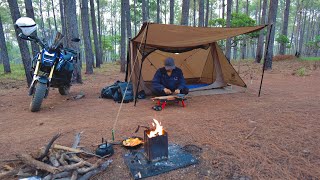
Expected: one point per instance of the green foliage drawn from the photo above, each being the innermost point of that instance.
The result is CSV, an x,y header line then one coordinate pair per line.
x,y
310,58
301,72
282,39
237,20
218,22
17,72
109,41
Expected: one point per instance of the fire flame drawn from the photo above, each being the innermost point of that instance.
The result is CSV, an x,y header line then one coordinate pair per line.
x,y
158,131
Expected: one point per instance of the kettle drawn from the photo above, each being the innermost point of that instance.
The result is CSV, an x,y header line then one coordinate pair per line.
x,y
104,149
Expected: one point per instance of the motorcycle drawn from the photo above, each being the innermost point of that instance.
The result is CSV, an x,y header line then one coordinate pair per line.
x,y
52,66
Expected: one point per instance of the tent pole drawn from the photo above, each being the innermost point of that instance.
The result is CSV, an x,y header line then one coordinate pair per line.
x,y
265,58
142,59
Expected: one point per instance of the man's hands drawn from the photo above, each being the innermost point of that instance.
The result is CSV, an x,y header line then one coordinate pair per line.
x,y
167,91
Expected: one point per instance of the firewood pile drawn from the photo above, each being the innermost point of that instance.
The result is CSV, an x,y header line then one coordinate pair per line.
x,y
55,161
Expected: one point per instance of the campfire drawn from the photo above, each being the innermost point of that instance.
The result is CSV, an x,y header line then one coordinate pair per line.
x,y
156,142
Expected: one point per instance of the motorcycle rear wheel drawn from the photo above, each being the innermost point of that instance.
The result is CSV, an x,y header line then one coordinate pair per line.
x,y
36,101
64,90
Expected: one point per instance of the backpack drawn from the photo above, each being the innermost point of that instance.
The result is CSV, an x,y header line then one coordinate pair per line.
x,y
109,91
117,91
126,95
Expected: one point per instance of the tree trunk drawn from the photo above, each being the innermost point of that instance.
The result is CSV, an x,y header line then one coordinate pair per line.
x,y
223,5
194,13
54,16
261,39
237,6
63,21
3,51
273,8
72,31
201,13
158,11
135,16
99,32
86,36
299,11
301,39
285,26
185,12
144,10
128,19
30,14
171,11
48,15
207,14
228,43
148,10
95,35
24,50
41,15
123,37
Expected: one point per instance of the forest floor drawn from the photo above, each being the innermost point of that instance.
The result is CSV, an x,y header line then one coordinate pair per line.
x,y
284,145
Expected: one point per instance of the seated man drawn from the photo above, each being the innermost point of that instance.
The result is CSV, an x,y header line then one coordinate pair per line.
x,y
169,80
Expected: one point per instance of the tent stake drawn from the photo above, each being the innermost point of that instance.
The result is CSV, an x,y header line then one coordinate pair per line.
x,y
265,58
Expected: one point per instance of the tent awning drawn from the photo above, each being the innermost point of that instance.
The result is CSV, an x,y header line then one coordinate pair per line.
x,y
175,36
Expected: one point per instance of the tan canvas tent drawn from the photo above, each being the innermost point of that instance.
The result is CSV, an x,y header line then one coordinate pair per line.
x,y
194,49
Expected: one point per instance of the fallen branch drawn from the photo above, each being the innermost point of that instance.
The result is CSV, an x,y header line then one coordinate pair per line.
x,y
250,134
29,160
74,175
62,159
53,160
12,172
57,176
57,146
76,140
73,150
45,153
94,166
103,167
72,166
77,159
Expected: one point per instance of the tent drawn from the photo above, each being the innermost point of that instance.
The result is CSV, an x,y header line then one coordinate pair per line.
x,y
194,49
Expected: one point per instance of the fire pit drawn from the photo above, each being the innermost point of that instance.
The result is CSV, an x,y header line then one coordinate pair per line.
x,y
156,143
158,156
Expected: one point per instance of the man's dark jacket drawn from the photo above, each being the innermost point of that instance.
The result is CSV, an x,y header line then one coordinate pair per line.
x,y
161,80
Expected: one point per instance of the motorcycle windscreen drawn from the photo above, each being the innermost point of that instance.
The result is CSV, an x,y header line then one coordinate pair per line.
x,y
54,40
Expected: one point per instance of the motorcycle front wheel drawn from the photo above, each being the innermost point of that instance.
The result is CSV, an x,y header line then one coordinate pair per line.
x,y
64,90
39,93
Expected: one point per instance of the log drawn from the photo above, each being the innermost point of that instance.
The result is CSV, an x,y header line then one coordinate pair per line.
x,y
74,175
94,166
72,166
6,174
76,140
57,176
77,159
62,159
7,167
96,171
29,160
60,147
53,160
45,153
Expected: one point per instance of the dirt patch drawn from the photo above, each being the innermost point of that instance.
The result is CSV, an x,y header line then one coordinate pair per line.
x,y
285,144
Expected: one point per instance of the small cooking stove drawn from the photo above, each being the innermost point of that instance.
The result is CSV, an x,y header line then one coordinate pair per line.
x,y
158,156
